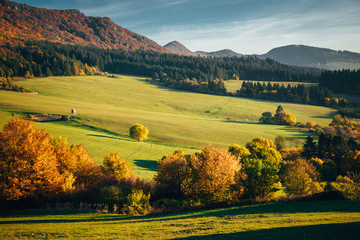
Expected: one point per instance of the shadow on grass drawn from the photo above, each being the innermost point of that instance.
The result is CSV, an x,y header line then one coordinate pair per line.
x,y
241,122
147,164
221,213
323,231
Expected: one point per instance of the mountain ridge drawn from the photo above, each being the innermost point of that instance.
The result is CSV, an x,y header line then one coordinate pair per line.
x,y
20,22
295,54
309,56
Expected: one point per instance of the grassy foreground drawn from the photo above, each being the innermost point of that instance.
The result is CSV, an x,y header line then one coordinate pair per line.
x,y
281,220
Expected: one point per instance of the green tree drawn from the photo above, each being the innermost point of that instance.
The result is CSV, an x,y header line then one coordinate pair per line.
x,y
280,116
266,117
139,132
309,149
279,142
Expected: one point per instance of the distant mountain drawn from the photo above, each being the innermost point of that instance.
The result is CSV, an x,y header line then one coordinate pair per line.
x,y
177,47
307,56
220,53
20,22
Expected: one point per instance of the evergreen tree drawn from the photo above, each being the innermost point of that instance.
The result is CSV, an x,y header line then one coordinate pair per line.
x,y
309,148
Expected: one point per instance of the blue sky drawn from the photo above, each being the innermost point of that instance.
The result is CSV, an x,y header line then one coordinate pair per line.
x,y
245,26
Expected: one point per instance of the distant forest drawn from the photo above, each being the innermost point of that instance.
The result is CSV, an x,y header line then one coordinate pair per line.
x,y
341,81
45,58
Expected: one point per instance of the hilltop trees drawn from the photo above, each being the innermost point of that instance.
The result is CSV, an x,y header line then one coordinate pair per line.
x,y
139,132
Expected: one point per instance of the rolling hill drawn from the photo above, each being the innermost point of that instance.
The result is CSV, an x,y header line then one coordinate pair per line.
x,y
307,56
107,107
219,54
177,47
20,22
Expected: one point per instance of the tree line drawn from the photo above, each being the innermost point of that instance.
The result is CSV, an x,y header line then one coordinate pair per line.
x,y
45,59
341,81
37,168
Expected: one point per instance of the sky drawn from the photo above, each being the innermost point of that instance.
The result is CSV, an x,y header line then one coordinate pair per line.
x,y
244,26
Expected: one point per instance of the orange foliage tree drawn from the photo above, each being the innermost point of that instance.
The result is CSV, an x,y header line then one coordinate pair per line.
x,y
28,163
206,176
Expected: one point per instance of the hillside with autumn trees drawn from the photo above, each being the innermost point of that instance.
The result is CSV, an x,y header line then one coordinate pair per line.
x,y
20,23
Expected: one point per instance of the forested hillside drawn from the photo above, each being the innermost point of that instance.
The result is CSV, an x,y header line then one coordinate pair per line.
x,y
20,22
46,58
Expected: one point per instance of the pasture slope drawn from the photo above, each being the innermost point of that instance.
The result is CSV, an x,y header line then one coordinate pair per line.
x,y
281,220
107,107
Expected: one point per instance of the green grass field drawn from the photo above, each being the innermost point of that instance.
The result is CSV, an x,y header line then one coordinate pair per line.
x,y
176,119
281,220
234,85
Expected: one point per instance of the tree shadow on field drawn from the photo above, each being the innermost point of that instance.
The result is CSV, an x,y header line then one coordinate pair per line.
x,y
241,122
147,164
329,115
228,213
109,137
323,231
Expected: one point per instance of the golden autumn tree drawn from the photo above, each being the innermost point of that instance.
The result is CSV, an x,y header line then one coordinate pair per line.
x,y
28,163
67,162
116,166
174,174
139,132
213,172
87,173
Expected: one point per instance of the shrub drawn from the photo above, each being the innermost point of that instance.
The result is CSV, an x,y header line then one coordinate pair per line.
x,y
110,195
347,186
137,203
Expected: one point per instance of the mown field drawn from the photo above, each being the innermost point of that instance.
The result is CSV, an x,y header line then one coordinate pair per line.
x,y
176,119
281,220
234,85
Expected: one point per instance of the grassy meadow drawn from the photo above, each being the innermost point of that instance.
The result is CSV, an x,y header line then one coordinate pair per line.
x,y
234,85
107,107
280,220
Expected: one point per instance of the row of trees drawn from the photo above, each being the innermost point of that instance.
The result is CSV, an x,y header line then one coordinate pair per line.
x,y
45,58
35,166
316,95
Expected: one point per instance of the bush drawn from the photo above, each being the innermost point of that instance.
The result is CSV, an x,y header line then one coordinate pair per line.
x,y
137,203
110,195
347,186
